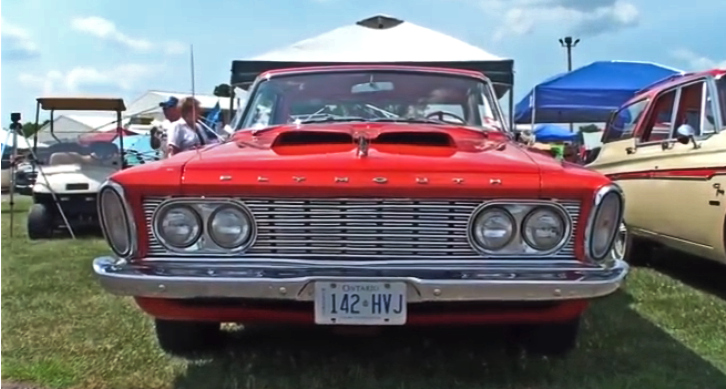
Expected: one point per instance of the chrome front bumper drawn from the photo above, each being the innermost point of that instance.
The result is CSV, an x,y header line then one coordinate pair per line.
x,y
429,281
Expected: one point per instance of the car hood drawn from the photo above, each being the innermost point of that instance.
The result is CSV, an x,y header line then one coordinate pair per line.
x,y
366,159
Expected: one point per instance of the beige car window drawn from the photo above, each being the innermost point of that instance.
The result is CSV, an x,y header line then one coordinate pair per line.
x,y
690,106
659,124
624,121
709,119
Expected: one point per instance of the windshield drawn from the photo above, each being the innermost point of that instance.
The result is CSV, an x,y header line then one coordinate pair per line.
x,y
372,96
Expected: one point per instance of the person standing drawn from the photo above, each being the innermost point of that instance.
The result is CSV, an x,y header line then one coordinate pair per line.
x,y
186,133
170,109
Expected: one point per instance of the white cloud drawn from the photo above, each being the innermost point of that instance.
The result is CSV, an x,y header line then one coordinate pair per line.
x,y
583,18
175,48
696,61
17,43
106,29
124,77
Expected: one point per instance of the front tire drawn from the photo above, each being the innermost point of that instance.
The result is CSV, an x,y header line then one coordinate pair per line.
x,y
187,337
550,339
40,222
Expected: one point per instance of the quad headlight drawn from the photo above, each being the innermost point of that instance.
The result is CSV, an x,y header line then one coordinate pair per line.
x,y
544,229
116,223
605,219
519,228
494,228
230,227
210,226
178,226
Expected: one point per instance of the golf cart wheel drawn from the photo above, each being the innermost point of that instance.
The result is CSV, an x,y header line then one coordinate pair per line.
x,y
188,337
40,222
549,339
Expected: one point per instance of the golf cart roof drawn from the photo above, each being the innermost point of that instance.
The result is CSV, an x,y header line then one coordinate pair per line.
x,y
81,104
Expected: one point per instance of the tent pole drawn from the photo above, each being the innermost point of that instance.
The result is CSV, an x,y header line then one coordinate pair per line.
x,y
35,140
15,127
534,108
120,132
511,108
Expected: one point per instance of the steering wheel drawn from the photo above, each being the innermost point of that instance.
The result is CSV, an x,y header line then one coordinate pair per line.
x,y
441,115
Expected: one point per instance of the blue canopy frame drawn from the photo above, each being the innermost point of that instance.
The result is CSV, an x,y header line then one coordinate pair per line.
x,y
588,94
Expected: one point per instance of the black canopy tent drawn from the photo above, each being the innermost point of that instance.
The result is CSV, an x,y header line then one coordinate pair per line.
x,y
400,44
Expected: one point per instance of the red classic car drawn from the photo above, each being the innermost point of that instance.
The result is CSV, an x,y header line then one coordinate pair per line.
x,y
363,196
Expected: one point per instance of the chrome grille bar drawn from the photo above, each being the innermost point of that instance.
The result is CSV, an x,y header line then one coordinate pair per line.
x,y
357,229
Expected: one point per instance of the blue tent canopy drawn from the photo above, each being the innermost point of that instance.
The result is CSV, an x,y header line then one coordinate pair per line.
x,y
588,94
546,133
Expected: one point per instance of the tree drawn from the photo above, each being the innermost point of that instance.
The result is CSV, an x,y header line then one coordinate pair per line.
x,y
29,128
223,90
589,128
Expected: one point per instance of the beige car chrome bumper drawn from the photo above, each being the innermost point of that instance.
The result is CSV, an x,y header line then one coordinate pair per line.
x,y
428,281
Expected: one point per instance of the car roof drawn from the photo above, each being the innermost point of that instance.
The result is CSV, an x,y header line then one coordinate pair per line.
x,y
672,81
364,67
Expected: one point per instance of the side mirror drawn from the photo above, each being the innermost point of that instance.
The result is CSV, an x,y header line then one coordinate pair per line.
x,y
686,133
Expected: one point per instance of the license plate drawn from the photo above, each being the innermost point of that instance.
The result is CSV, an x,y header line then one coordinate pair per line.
x,y
360,303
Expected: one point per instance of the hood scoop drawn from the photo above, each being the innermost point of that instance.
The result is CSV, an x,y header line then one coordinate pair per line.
x,y
414,138
302,138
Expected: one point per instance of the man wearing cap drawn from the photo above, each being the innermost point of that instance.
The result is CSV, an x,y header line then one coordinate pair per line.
x,y
170,108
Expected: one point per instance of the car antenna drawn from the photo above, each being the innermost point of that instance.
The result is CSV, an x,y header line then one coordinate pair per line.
x,y
194,106
203,131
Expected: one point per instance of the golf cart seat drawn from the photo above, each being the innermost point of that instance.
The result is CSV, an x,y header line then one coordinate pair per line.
x,y
70,158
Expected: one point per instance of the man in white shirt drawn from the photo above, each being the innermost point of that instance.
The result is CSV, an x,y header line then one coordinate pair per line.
x,y
170,108
185,133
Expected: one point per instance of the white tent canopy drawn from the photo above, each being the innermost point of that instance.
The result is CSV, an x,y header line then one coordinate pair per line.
x,y
380,38
147,105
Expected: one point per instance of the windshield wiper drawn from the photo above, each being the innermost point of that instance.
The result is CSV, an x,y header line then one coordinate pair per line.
x,y
333,118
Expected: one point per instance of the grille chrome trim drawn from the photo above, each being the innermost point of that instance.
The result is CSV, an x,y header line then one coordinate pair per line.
x,y
379,229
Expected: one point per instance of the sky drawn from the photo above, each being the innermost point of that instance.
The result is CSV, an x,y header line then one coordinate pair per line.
x,y
124,48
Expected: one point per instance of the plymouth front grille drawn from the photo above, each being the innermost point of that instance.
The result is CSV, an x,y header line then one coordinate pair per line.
x,y
359,229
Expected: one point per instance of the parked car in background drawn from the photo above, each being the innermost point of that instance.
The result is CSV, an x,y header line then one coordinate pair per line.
x,y
366,196
666,148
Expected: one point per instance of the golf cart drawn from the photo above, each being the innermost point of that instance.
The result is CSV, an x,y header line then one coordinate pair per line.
x,y
65,186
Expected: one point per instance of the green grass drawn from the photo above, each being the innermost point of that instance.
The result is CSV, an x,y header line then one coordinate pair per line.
x,y
59,329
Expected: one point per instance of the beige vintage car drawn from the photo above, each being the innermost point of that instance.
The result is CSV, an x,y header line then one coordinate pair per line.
x,y
666,148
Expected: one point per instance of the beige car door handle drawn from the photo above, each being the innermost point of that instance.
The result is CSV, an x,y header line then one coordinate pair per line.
x,y
630,150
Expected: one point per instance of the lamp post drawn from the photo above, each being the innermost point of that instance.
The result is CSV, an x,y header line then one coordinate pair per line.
x,y
568,43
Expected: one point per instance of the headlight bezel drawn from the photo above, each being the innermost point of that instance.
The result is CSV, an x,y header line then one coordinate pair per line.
x,y
130,224
520,209
598,200
205,243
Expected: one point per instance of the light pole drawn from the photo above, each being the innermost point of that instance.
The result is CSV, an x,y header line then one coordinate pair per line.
x,y
568,43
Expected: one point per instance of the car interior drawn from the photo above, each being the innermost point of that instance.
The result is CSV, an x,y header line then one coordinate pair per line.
x,y
449,99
